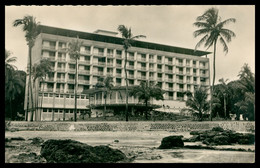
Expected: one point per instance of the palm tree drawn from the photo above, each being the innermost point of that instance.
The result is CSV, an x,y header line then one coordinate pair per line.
x,y
198,101
30,27
128,38
74,51
40,71
106,85
224,89
13,87
145,92
212,28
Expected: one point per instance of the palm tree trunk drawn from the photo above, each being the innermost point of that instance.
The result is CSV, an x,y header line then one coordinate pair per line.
x,y
146,107
30,78
11,108
27,105
42,100
225,109
213,82
75,88
105,108
126,88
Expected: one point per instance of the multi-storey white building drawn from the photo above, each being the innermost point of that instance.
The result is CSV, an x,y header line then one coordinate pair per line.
x,y
175,69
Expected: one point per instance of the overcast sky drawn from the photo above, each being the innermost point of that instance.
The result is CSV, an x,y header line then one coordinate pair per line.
x,y
170,25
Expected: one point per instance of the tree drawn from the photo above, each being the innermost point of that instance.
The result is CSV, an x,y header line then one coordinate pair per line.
x,y
198,101
13,87
225,91
247,86
145,92
9,67
128,39
74,51
30,27
106,84
39,72
212,29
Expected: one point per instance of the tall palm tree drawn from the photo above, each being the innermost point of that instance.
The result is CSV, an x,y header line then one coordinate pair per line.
x,y
30,27
225,92
212,29
13,87
74,51
128,38
106,84
39,71
198,101
145,92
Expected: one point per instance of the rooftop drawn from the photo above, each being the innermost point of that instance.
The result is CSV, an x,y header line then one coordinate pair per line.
x,y
117,40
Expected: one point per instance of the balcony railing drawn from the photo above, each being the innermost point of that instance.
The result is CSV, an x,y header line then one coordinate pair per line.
x,y
151,78
159,78
130,58
169,88
118,56
159,70
85,52
72,70
110,55
180,89
83,81
99,63
59,91
159,61
203,75
169,62
61,59
151,69
194,66
70,90
110,64
83,71
50,79
180,80
168,71
98,73
119,65
170,80
48,90
203,67
61,69
130,67
118,75
84,62
180,72
195,83
194,74
72,60
109,73
151,60
71,81
187,65
48,47
188,81
141,77
60,80
180,64
203,83
131,76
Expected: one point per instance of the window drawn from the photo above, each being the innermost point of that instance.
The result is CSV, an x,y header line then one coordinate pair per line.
x,y
56,95
118,52
67,96
82,96
67,111
56,110
44,110
45,94
51,95
61,96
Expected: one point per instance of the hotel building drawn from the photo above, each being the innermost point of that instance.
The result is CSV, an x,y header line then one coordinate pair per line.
x,y
175,69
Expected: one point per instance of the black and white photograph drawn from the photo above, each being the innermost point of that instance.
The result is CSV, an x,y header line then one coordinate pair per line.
x,y
130,84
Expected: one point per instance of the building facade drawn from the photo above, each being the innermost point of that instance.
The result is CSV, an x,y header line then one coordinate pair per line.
x,y
174,69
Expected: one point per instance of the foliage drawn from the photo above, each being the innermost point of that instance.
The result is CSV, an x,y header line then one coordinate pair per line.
x,y
30,27
198,101
128,38
106,84
74,51
145,91
211,27
247,85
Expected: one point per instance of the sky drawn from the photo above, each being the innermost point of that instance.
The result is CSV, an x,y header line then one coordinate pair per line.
x,y
164,24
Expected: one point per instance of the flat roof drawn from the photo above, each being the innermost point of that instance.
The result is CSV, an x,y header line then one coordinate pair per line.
x,y
118,40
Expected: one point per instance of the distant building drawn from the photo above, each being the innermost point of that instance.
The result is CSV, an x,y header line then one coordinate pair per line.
x,y
175,69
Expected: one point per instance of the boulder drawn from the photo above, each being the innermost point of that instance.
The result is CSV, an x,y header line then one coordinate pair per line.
x,y
221,140
171,142
37,141
17,139
70,151
218,129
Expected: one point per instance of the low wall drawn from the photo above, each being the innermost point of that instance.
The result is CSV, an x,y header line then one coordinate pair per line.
x,y
240,126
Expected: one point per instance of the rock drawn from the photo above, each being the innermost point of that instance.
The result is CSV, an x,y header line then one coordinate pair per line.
x,y
218,129
37,141
195,138
221,140
70,151
171,142
17,139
